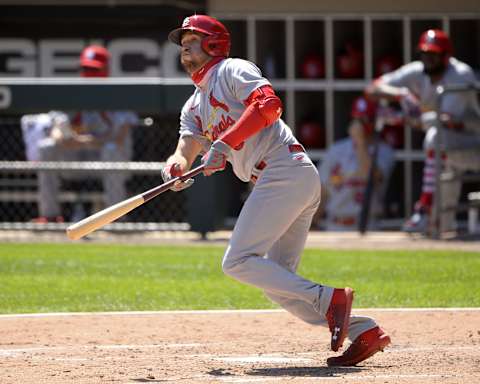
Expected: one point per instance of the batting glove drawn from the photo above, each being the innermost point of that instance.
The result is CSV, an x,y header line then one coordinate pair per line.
x,y
216,158
171,171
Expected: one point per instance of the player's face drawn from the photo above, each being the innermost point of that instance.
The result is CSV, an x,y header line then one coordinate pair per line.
x,y
355,129
192,55
433,63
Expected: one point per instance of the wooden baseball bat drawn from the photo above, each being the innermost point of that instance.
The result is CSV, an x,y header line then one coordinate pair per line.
x,y
91,223
369,192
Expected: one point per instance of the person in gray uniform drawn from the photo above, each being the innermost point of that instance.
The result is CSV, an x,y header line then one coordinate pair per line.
x,y
234,115
414,85
82,136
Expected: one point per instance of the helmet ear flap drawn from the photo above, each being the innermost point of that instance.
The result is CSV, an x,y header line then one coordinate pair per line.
x,y
216,46
208,45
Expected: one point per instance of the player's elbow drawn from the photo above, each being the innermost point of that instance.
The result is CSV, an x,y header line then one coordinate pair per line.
x,y
266,103
270,108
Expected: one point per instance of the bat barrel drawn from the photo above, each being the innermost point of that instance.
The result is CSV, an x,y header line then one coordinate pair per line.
x,y
89,224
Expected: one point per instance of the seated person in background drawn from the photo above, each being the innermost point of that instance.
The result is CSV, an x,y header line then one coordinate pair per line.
x,y
83,136
414,86
344,172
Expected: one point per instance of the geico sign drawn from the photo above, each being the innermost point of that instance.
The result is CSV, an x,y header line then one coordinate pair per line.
x,y
5,97
58,57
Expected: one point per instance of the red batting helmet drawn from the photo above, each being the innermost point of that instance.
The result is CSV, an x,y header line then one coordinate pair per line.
x,y
435,40
217,39
350,62
364,110
313,67
94,56
311,134
386,64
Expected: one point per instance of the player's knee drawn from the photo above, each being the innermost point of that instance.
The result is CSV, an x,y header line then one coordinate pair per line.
x,y
231,263
430,138
228,267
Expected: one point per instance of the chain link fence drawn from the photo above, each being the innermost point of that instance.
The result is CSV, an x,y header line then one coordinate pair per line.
x,y
81,189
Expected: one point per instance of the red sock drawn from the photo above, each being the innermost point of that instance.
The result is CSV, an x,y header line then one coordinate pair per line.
x,y
425,202
428,181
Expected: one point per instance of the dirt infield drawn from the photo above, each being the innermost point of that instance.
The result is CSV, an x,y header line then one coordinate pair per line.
x,y
428,346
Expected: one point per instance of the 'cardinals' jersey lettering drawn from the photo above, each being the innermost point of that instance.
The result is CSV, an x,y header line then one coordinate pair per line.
x,y
217,105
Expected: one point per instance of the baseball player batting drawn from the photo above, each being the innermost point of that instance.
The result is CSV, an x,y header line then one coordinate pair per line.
x,y
234,115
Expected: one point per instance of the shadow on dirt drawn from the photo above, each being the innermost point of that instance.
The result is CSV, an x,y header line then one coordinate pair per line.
x,y
303,371
292,371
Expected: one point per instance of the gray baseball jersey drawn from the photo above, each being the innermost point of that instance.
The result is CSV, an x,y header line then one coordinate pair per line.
x,y
212,110
102,123
418,82
271,230
345,193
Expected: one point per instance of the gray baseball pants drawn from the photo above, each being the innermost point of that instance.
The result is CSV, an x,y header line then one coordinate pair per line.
x,y
269,237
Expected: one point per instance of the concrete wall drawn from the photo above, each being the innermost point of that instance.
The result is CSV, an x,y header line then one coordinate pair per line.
x,y
186,4
344,6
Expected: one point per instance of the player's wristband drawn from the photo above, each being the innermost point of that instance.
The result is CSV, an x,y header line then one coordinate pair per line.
x,y
221,147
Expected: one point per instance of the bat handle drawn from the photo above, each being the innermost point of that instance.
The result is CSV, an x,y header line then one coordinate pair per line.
x,y
150,194
193,172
